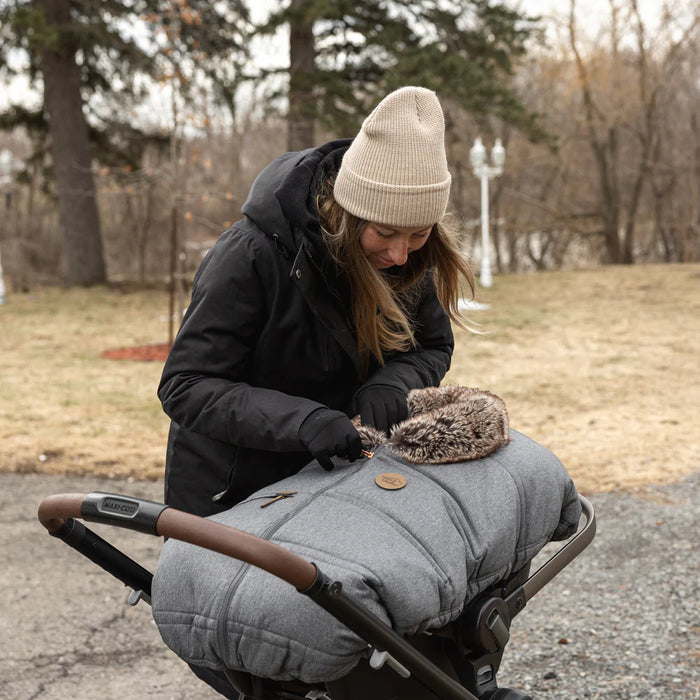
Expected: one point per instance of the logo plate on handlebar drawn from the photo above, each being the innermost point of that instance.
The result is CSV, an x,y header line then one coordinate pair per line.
x,y
116,506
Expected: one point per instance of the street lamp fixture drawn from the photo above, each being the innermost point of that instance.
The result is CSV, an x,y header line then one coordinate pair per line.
x,y
486,172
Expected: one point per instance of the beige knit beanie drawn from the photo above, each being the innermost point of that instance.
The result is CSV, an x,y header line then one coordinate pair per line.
x,y
395,171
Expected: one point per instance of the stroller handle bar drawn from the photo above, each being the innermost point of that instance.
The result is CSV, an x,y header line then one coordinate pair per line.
x,y
158,519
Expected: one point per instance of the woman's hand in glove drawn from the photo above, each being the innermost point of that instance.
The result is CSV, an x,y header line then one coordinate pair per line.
x,y
325,433
381,406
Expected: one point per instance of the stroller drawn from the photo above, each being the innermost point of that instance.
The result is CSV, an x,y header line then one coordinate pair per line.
x,y
459,661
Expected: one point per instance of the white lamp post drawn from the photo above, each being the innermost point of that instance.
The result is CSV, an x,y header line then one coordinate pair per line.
x,y
486,172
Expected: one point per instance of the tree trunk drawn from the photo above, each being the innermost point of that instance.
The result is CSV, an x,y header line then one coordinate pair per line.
x,y
70,150
628,243
302,55
611,235
512,245
603,142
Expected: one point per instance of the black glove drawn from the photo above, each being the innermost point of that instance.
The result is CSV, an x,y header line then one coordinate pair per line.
x,y
325,433
381,406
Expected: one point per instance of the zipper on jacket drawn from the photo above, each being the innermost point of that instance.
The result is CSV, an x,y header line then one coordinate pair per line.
x,y
286,253
229,479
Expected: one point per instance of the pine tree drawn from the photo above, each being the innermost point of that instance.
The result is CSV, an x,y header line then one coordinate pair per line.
x,y
362,49
95,59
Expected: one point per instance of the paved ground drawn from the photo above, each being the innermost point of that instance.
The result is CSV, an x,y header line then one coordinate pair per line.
x,y
621,622
67,633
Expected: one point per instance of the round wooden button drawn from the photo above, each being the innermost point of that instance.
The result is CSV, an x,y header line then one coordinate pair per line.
x,y
390,482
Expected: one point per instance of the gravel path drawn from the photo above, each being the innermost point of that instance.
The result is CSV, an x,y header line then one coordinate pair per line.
x,y
622,621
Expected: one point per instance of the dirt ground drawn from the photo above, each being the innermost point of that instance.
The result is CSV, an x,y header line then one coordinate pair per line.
x,y
603,368
599,365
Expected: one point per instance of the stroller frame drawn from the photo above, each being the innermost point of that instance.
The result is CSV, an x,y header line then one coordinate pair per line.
x,y
475,642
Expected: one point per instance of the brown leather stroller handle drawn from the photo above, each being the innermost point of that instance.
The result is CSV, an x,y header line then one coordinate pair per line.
x,y
55,510
159,519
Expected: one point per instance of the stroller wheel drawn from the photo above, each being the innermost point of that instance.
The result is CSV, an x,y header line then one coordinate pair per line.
x,y
506,694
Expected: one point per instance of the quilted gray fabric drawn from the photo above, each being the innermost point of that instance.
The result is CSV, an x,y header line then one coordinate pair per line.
x,y
412,556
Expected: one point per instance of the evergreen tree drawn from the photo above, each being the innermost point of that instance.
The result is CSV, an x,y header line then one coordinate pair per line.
x,y
96,60
362,49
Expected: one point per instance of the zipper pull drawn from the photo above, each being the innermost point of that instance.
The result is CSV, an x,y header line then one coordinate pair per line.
x,y
277,497
218,496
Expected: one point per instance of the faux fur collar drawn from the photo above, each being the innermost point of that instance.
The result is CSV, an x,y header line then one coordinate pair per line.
x,y
446,424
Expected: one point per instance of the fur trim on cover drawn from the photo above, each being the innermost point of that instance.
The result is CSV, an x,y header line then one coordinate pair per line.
x,y
446,424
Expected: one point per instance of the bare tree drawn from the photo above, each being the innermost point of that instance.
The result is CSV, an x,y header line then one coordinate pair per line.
x,y
622,117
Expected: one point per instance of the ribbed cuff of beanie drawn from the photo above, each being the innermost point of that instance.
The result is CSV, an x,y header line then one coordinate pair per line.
x,y
393,205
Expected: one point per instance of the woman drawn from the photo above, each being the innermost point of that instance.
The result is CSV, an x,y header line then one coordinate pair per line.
x,y
332,297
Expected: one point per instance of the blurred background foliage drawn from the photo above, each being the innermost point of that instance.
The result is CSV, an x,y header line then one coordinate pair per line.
x,y
130,131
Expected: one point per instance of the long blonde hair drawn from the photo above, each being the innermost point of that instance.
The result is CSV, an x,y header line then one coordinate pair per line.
x,y
381,302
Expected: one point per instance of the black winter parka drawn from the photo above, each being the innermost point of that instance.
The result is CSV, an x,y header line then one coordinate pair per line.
x,y
267,339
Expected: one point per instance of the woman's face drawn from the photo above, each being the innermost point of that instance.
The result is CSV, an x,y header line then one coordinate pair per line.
x,y
386,246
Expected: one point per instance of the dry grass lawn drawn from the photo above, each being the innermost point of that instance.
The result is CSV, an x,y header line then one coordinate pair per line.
x,y
601,366
63,408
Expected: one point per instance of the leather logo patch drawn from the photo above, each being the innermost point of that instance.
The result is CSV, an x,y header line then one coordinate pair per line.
x,y
390,482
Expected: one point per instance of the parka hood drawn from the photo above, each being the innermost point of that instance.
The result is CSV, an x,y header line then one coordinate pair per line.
x,y
282,199
445,425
